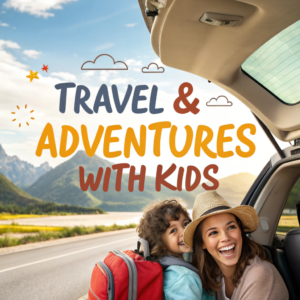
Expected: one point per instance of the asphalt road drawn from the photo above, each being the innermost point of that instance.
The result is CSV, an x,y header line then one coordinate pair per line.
x,y
58,272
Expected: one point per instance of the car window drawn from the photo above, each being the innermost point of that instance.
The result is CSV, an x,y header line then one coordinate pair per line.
x,y
289,220
276,65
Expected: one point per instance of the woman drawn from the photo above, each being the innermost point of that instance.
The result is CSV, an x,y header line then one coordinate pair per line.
x,y
229,263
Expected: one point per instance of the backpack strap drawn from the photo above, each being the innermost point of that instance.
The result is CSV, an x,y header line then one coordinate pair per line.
x,y
170,260
146,248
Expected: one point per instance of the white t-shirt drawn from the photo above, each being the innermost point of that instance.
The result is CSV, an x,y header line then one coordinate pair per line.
x,y
223,289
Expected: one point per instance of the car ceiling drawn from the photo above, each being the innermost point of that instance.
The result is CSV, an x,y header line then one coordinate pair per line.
x,y
217,53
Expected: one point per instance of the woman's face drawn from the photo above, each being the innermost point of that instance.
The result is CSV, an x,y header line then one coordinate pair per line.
x,y
222,238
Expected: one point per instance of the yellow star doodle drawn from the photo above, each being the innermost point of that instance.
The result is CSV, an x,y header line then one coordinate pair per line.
x,y
32,75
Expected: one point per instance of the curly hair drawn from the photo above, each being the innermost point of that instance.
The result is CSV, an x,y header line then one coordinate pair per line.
x,y
156,220
208,268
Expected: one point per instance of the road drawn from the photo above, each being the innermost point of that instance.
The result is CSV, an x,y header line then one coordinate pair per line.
x,y
57,272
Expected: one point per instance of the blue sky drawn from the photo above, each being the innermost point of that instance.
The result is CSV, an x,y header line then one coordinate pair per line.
x,y
37,33
80,31
81,28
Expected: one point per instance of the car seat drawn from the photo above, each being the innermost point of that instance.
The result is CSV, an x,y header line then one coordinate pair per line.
x,y
279,260
292,249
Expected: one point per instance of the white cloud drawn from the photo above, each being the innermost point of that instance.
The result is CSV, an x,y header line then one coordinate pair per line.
x,y
3,12
159,83
88,74
131,25
64,75
75,55
111,72
7,59
9,44
32,53
103,78
103,46
133,62
7,132
38,8
158,62
104,75
121,80
3,24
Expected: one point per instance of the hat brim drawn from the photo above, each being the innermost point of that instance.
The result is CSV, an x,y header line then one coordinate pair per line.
x,y
245,213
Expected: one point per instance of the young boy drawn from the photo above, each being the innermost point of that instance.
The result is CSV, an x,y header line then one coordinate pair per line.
x,y
162,226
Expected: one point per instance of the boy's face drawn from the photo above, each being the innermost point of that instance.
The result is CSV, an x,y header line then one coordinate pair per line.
x,y
173,237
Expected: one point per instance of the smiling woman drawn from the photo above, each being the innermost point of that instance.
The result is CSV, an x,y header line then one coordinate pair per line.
x,y
230,264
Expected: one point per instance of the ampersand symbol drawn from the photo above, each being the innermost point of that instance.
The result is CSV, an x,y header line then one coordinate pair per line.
x,y
189,107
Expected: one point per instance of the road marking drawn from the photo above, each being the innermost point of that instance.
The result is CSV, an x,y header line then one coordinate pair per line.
x,y
63,255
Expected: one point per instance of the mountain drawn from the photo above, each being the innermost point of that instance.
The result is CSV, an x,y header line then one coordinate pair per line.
x,y
15,200
233,188
61,185
21,173
9,193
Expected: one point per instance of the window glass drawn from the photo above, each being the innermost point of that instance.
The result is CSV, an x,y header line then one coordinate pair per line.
x,y
276,65
289,220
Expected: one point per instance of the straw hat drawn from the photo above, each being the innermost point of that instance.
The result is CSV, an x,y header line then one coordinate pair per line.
x,y
211,203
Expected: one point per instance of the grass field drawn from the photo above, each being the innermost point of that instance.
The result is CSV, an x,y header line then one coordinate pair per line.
x,y
287,223
13,217
15,228
5,216
45,233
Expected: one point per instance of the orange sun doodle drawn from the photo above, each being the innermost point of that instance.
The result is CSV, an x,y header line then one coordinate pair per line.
x,y
13,113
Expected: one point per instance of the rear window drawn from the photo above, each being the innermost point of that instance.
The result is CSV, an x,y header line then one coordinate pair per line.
x,y
276,65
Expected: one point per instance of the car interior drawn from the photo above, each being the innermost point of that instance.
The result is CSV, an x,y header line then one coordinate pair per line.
x,y
282,250
251,49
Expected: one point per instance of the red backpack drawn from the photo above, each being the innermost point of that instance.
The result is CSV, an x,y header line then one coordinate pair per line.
x,y
127,275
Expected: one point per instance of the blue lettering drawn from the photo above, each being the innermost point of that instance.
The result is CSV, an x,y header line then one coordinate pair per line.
x,y
120,107
63,94
102,92
153,96
137,97
81,101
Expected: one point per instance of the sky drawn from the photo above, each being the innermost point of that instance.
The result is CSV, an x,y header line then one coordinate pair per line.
x,y
63,34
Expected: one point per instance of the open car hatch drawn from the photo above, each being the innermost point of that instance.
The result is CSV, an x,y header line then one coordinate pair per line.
x,y
249,48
